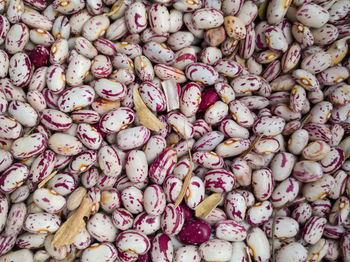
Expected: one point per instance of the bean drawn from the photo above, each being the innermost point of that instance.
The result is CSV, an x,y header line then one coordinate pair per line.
x,y
253,110
105,251
259,213
206,250
258,244
100,226
132,238
293,249
172,220
186,252
312,15
42,223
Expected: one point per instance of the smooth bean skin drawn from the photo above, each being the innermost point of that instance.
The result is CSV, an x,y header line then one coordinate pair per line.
x,y
194,232
206,250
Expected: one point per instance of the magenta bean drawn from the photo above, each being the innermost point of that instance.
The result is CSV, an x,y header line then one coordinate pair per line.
x,y
194,232
208,99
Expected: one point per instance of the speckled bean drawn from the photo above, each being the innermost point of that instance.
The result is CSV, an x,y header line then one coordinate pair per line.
x,y
105,251
235,206
216,250
313,229
42,223
133,240
132,138
258,244
201,73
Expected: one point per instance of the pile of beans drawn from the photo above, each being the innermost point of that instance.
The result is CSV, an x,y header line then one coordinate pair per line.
x,y
254,98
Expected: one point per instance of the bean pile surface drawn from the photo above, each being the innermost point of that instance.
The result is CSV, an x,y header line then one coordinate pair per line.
x,y
174,130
